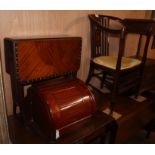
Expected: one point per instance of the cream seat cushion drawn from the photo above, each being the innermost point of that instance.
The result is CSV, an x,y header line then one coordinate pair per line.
x,y
110,62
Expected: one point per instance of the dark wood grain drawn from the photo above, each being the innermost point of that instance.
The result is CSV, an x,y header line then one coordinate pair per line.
x,y
140,26
58,104
51,57
30,60
97,126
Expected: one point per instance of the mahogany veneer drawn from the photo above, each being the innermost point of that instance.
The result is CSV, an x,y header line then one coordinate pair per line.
x,y
30,60
36,59
58,104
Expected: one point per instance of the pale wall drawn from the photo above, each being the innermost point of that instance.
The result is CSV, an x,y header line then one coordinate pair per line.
x,y
30,23
151,53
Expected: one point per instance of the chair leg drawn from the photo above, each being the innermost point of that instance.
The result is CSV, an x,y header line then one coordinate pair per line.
x,y
114,94
150,128
148,134
14,109
111,107
137,92
103,79
112,103
113,132
90,74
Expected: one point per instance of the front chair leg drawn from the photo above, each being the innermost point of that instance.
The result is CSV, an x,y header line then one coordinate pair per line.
x,y
150,128
90,74
111,108
113,99
103,79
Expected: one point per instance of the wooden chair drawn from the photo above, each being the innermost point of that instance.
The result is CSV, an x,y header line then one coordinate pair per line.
x,y
121,73
100,41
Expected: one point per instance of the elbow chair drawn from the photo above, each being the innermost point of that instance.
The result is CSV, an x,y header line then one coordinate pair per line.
x,y
118,72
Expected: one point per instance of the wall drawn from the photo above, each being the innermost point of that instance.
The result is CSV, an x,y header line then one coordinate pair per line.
x,y
4,134
151,53
30,23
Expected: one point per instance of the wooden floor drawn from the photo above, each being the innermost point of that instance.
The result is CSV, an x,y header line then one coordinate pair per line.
x,y
134,116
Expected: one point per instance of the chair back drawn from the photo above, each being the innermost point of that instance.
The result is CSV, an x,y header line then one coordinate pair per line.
x,y
145,28
103,27
100,28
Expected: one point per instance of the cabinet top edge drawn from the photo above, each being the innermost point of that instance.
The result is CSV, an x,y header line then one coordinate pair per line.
x,y
22,38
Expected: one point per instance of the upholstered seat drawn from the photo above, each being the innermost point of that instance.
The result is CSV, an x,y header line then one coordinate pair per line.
x,y
111,61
